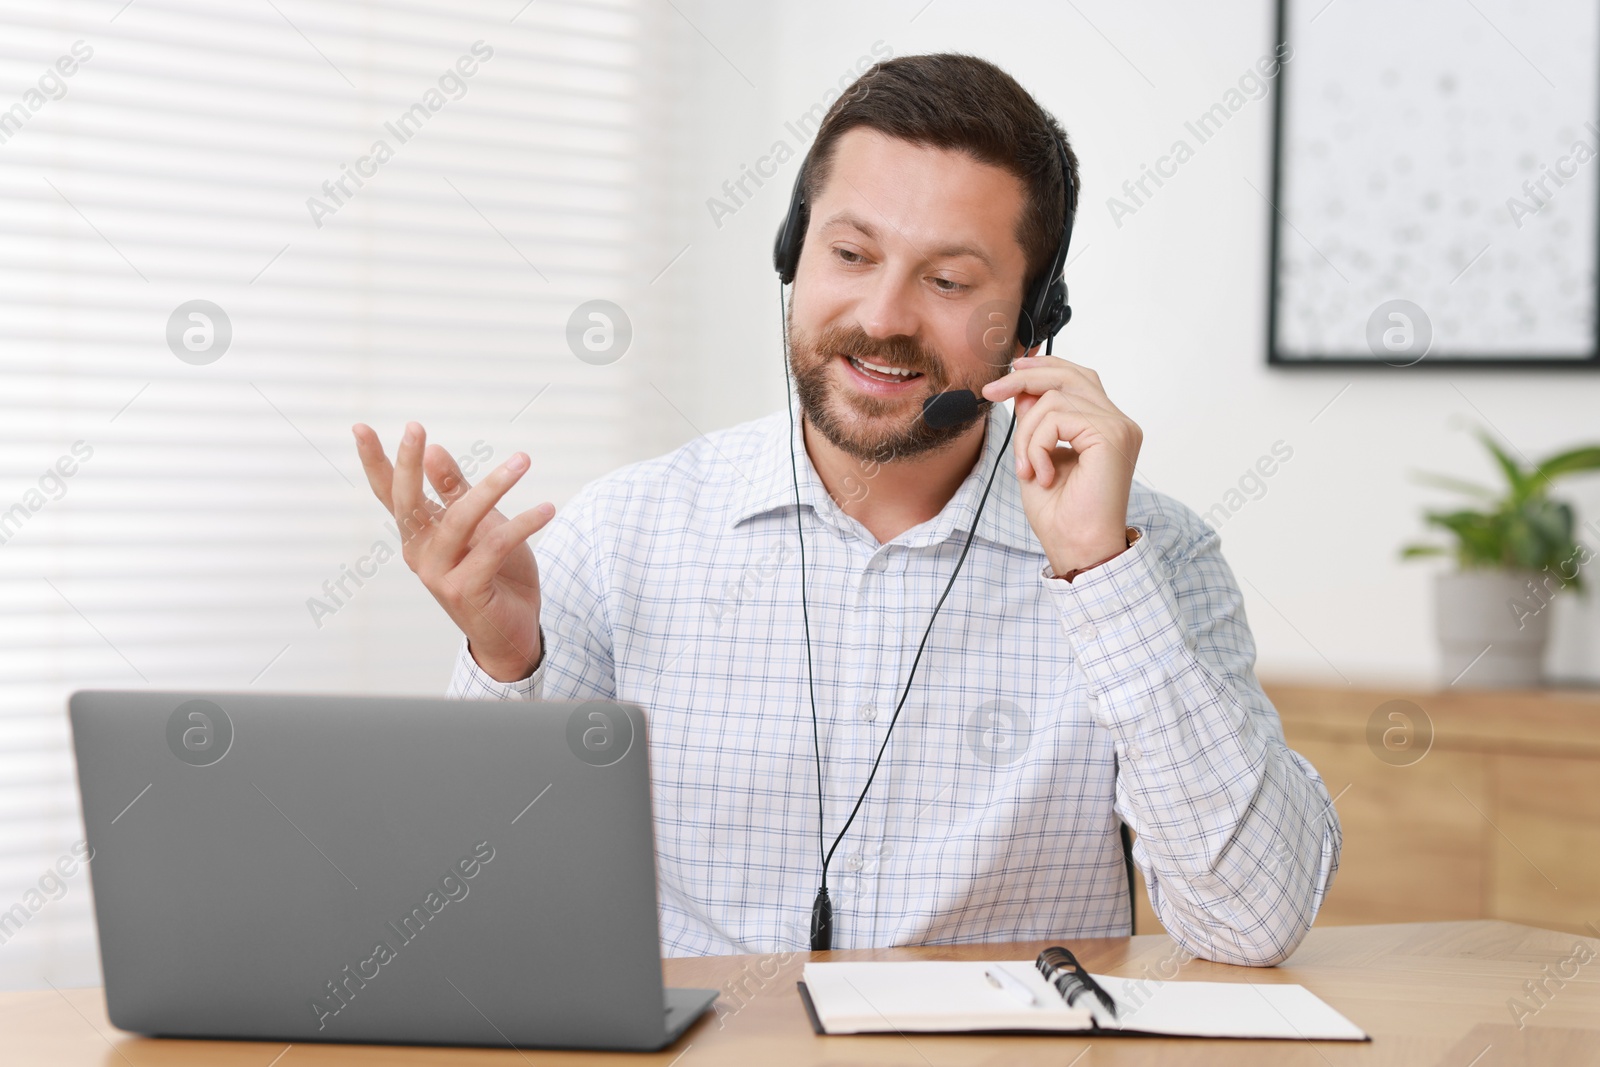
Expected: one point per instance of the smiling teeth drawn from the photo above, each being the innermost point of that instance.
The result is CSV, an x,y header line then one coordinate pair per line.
x,y
883,370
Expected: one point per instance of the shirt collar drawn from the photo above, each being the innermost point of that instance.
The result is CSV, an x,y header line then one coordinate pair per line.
x,y
770,487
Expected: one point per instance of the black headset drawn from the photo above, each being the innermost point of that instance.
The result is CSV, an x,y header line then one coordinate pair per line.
x,y
1044,311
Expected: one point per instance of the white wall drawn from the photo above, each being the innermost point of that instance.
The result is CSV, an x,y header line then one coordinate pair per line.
x,y
193,550
1170,307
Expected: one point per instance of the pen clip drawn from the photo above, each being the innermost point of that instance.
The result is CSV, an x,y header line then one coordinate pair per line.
x,y
1063,971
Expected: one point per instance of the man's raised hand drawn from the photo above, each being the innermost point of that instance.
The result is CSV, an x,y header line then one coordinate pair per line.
x,y
474,560
1076,499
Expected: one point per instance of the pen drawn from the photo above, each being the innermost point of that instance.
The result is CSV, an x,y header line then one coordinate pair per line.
x,y
1003,979
1062,970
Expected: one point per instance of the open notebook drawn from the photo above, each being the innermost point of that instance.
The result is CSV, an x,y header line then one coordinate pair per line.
x,y
1013,996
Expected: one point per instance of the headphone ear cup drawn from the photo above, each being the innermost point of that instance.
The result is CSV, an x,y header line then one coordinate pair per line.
x,y
1044,314
786,250
792,233
1025,329
1058,312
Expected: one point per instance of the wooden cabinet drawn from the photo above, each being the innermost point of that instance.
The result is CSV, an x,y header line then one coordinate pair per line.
x,y
1499,818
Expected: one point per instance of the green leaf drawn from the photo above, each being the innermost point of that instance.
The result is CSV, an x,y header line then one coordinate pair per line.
x,y
1527,548
1552,521
1520,482
1414,551
1571,462
1480,537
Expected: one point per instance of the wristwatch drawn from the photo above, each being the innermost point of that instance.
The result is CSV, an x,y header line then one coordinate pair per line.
x,y
1132,534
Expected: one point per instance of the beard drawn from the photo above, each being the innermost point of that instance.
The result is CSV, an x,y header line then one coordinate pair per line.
x,y
869,428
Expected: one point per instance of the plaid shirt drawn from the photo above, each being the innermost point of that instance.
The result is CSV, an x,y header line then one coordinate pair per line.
x,y
1043,712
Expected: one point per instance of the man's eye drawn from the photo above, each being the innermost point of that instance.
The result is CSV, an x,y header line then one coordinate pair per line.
x,y
849,256
945,285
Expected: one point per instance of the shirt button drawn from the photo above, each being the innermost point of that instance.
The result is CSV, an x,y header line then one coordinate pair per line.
x,y
868,713
852,862
1087,632
1134,752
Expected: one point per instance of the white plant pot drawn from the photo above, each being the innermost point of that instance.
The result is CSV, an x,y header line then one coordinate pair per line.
x,y
1492,629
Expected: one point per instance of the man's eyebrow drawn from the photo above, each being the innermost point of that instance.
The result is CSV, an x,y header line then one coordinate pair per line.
x,y
851,219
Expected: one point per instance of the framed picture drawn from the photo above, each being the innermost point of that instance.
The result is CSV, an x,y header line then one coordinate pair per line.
x,y
1436,184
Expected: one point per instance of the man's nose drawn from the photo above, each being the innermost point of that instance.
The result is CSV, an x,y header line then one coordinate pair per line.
x,y
889,308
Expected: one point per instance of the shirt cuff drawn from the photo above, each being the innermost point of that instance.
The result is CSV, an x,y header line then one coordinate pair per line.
x,y
1134,536
1123,622
470,682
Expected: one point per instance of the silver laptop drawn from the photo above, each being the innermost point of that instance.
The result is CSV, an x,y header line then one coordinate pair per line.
x,y
375,869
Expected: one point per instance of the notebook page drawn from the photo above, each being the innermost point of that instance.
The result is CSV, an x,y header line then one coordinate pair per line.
x,y
1223,1009
933,996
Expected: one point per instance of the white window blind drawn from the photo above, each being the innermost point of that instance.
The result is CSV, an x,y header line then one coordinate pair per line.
x,y
212,505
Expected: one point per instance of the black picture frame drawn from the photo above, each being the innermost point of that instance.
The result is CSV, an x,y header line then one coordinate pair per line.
x,y
1276,358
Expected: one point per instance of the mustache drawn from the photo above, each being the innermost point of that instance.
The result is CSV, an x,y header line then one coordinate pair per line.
x,y
892,351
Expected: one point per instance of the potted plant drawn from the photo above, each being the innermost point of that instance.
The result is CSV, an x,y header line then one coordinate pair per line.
x,y
1513,554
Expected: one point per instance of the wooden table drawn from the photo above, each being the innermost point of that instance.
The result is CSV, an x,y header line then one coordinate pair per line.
x,y
1428,993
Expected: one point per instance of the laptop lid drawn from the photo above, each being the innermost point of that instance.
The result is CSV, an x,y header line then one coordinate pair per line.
x,y
374,869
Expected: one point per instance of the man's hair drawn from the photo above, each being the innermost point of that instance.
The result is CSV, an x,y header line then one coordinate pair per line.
x,y
952,101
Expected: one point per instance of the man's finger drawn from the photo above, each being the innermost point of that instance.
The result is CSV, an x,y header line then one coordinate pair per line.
x,y
1056,426
462,517
444,475
1036,379
380,473
1045,451
489,554
1057,416
1034,454
411,508
1041,360
1043,439
1046,443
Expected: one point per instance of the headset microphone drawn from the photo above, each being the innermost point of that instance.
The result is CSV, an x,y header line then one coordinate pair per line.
x,y
952,408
